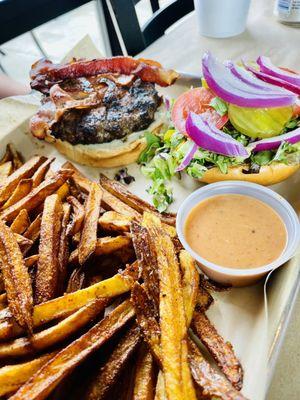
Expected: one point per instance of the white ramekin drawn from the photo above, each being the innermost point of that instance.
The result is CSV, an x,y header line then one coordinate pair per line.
x,y
232,276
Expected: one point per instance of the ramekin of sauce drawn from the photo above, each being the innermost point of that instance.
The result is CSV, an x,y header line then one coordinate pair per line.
x,y
238,231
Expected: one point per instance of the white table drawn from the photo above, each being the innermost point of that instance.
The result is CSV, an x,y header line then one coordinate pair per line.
x,y
182,49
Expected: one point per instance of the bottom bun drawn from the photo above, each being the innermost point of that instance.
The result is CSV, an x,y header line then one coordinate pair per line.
x,y
95,156
268,174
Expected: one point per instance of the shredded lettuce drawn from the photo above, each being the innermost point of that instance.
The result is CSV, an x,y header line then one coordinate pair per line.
x,y
219,105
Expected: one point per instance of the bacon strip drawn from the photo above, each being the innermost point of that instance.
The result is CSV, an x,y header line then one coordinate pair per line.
x,y
45,74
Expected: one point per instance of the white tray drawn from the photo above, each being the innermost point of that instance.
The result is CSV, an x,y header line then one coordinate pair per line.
x,y
240,314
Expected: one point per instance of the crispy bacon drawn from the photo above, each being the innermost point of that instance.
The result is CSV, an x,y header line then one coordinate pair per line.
x,y
58,102
44,74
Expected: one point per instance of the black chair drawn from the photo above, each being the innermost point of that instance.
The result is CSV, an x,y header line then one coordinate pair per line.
x,y
124,28
20,16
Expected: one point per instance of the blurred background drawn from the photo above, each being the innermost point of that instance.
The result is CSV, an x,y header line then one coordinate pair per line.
x,y
56,37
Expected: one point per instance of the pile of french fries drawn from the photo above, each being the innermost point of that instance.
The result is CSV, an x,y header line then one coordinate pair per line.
x,y
98,298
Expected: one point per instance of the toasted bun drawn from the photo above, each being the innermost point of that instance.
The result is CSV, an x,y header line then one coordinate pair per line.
x,y
113,154
102,158
268,175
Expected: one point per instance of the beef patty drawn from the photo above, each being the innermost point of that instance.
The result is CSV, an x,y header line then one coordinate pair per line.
x,y
123,110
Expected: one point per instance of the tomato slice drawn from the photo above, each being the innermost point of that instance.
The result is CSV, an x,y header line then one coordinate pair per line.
x,y
196,100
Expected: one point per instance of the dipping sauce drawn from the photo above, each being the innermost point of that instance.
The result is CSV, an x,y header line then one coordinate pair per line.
x,y
235,231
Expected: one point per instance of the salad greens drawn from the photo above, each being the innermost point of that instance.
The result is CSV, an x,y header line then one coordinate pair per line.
x,y
164,153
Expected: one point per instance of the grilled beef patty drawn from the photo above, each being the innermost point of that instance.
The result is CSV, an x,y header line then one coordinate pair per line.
x,y
123,110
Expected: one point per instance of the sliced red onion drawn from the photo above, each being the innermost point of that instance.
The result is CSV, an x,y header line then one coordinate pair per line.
x,y
268,68
235,91
248,78
275,81
274,142
208,137
188,157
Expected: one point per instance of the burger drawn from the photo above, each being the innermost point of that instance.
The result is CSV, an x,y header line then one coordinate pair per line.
x,y
96,112
243,123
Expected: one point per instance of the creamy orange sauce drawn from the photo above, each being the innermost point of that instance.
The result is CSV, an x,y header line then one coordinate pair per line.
x,y
235,231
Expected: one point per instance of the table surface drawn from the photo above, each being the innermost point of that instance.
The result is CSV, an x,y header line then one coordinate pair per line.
x,y
181,48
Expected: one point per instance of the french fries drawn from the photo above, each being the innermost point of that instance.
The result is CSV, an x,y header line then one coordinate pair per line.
x,y
5,170
111,221
61,306
147,259
105,245
77,216
121,192
63,248
104,380
46,379
209,381
21,223
17,158
144,383
37,195
46,282
22,189
41,172
14,376
53,242
190,284
55,334
178,380
26,171
16,278
88,239
220,350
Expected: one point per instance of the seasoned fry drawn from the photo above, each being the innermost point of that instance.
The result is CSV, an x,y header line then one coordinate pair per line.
x,y
190,284
204,298
160,393
53,335
210,382
5,170
88,239
22,189
17,158
146,256
144,384
77,216
30,261
121,192
63,191
14,376
105,245
103,381
110,202
34,229
21,223
111,221
40,173
80,180
178,380
16,278
6,157
61,306
37,195
22,241
221,351
146,319
39,386
77,280
46,283
63,250
25,172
